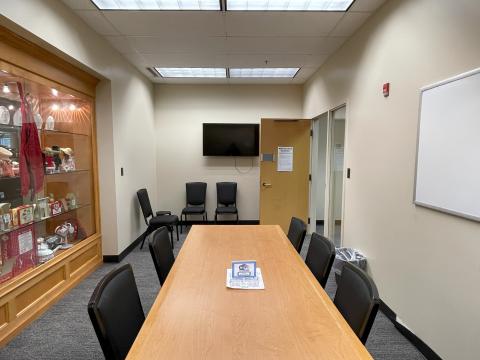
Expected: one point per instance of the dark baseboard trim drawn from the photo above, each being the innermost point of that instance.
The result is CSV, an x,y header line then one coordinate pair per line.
x,y
128,250
320,222
414,339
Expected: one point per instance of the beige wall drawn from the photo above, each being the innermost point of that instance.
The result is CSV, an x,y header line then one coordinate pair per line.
x,y
180,111
425,263
125,121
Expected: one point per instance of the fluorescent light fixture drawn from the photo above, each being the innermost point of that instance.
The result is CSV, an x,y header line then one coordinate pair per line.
x,y
289,5
157,4
192,72
263,72
54,92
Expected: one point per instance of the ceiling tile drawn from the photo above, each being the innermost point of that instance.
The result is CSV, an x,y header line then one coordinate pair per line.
x,y
284,45
97,22
120,43
280,23
258,60
366,5
350,23
315,60
167,23
80,4
177,44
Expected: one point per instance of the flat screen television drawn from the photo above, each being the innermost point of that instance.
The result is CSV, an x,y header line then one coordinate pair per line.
x,y
230,139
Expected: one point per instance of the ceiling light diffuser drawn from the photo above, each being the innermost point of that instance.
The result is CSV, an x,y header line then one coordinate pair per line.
x,y
289,5
263,72
192,72
157,4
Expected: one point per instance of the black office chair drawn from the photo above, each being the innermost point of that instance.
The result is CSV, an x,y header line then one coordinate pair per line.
x,y
296,233
116,312
226,199
320,257
161,218
195,204
357,300
162,254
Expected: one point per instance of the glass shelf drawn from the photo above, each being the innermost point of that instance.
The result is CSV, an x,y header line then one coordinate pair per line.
x,y
58,132
43,219
68,172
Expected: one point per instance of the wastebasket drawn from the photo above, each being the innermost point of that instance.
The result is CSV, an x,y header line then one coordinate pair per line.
x,y
344,255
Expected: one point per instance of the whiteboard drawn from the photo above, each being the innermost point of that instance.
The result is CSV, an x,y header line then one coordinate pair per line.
x,y
448,152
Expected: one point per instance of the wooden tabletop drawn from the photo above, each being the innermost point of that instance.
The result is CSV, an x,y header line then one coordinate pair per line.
x,y
196,317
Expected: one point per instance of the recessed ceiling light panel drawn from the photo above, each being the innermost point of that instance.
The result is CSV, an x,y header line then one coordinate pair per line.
x,y
157,4
263,72
192,72
289,5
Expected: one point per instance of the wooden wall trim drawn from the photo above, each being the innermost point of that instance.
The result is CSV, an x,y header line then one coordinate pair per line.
x,y
31,57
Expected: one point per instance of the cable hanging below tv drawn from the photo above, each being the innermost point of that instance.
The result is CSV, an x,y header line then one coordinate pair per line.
x,y
221,139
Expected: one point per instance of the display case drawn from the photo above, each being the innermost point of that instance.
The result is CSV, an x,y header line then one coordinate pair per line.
x,y
49,223
46,183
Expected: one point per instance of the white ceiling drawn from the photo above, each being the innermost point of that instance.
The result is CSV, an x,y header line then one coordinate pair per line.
x,y
226,39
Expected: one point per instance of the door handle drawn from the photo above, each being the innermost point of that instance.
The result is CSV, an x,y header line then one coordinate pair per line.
x,y
264,184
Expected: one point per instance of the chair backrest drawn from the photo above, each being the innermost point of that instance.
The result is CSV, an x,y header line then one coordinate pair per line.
x,y
320,257
226,193
357,300
116,312
161,251
144,201
196,192
296,233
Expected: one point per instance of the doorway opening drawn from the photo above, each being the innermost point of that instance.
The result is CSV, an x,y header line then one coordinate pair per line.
x,y
327,164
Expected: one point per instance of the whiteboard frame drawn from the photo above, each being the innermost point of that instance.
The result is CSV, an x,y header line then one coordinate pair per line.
x,y
422,90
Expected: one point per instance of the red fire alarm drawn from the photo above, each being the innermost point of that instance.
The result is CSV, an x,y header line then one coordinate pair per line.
x,y
386,89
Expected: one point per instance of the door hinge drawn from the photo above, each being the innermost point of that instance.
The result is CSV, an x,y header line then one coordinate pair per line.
x,y
309,177
311,133
309,220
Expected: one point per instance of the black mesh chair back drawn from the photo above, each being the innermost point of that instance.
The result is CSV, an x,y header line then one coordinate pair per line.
x,y
357,300
144,201
116,312
320,257
196,193
296,233
161,251
226,193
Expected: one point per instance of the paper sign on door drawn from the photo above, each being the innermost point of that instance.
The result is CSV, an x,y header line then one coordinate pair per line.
x,y
285,158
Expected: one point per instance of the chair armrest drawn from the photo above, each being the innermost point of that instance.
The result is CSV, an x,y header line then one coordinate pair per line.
x,y
160,213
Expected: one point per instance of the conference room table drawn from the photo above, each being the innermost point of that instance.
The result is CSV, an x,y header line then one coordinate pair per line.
x,y
195,316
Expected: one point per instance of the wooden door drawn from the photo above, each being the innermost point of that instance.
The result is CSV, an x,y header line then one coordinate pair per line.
x,y
284,194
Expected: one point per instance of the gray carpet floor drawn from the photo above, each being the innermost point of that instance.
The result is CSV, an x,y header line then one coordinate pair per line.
x,y
65,331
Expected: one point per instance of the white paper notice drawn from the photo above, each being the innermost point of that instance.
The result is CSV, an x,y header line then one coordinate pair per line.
x,y
285,158
25,241
255,283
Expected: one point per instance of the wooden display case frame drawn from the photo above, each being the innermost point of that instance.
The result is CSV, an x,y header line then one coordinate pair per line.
x,y
28,295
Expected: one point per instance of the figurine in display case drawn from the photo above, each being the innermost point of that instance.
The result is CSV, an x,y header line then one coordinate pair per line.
x,y
68,160
43,210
